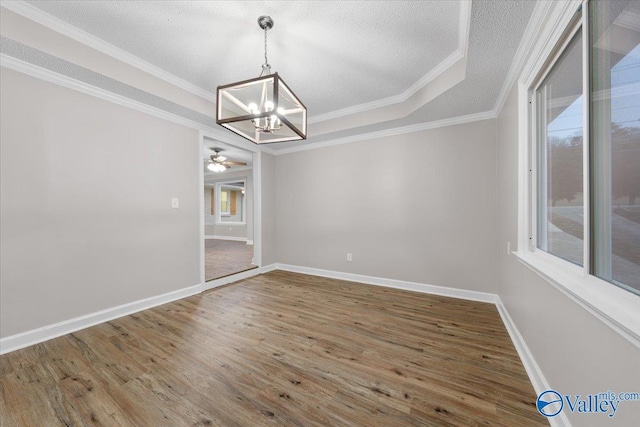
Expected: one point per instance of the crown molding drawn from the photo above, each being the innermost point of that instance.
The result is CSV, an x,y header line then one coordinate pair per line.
x,y
464,26
395,99
37,15
527,43
269,150
390,132
448,62
27,68
45,74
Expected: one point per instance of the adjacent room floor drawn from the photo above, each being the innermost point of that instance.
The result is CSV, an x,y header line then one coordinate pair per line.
x,y
225,257
279,349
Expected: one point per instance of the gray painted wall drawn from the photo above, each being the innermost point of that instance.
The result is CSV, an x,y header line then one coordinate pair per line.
x,y
86,218
577,353
417,207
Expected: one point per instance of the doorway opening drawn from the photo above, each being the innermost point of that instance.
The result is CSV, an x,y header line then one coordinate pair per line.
x,y
228,210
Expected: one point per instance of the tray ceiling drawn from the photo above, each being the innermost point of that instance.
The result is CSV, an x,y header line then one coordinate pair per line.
x,y
334,54
360,66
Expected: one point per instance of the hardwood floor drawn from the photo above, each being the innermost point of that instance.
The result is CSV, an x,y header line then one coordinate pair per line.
x,y
225,257
280,349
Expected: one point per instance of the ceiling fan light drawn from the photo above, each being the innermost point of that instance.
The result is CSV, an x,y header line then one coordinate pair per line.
x,y
217,167
211,166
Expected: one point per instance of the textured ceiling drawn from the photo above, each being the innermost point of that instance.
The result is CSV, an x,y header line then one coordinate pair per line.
x,y
496,30
333,54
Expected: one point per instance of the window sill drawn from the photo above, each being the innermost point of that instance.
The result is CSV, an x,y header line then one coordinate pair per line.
x,y
616,307
231,223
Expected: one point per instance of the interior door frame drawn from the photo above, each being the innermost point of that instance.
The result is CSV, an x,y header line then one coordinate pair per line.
x,y
257,209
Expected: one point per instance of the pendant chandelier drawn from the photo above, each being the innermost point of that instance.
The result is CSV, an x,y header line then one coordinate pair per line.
x,y
263,110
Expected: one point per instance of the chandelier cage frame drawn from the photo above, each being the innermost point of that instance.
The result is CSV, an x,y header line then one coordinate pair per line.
x,y
264,109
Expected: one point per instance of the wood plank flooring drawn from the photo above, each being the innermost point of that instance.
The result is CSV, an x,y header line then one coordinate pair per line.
x,y
280,349
225,257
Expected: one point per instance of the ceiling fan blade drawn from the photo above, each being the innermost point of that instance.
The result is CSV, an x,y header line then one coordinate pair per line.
x,y
231,163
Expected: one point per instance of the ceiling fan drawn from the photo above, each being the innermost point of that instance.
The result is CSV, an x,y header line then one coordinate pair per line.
x,y
218,163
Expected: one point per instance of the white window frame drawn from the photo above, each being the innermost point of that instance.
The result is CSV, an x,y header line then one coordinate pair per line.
x,y
616,307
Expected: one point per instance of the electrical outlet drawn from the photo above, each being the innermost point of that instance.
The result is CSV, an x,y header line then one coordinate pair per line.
x,y
175,203
349,257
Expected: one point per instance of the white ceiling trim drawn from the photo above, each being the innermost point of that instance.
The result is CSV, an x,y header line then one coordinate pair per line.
x,y
529,38
31,12
387,132
395,99
541,14
464,26
71,83
41,73
443,82
32,70
460,53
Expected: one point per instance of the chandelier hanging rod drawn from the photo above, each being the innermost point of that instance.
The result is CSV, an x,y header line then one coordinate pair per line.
x,y
266,23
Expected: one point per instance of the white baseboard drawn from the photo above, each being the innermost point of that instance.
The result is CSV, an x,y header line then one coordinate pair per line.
x,y
540,384
235,239
268,268
391,283
45,333
230,279
534,372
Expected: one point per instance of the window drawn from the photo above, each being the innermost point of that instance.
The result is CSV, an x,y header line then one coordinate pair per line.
x,y
606,146
224,202
232,202
615,141
559,105
579,159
